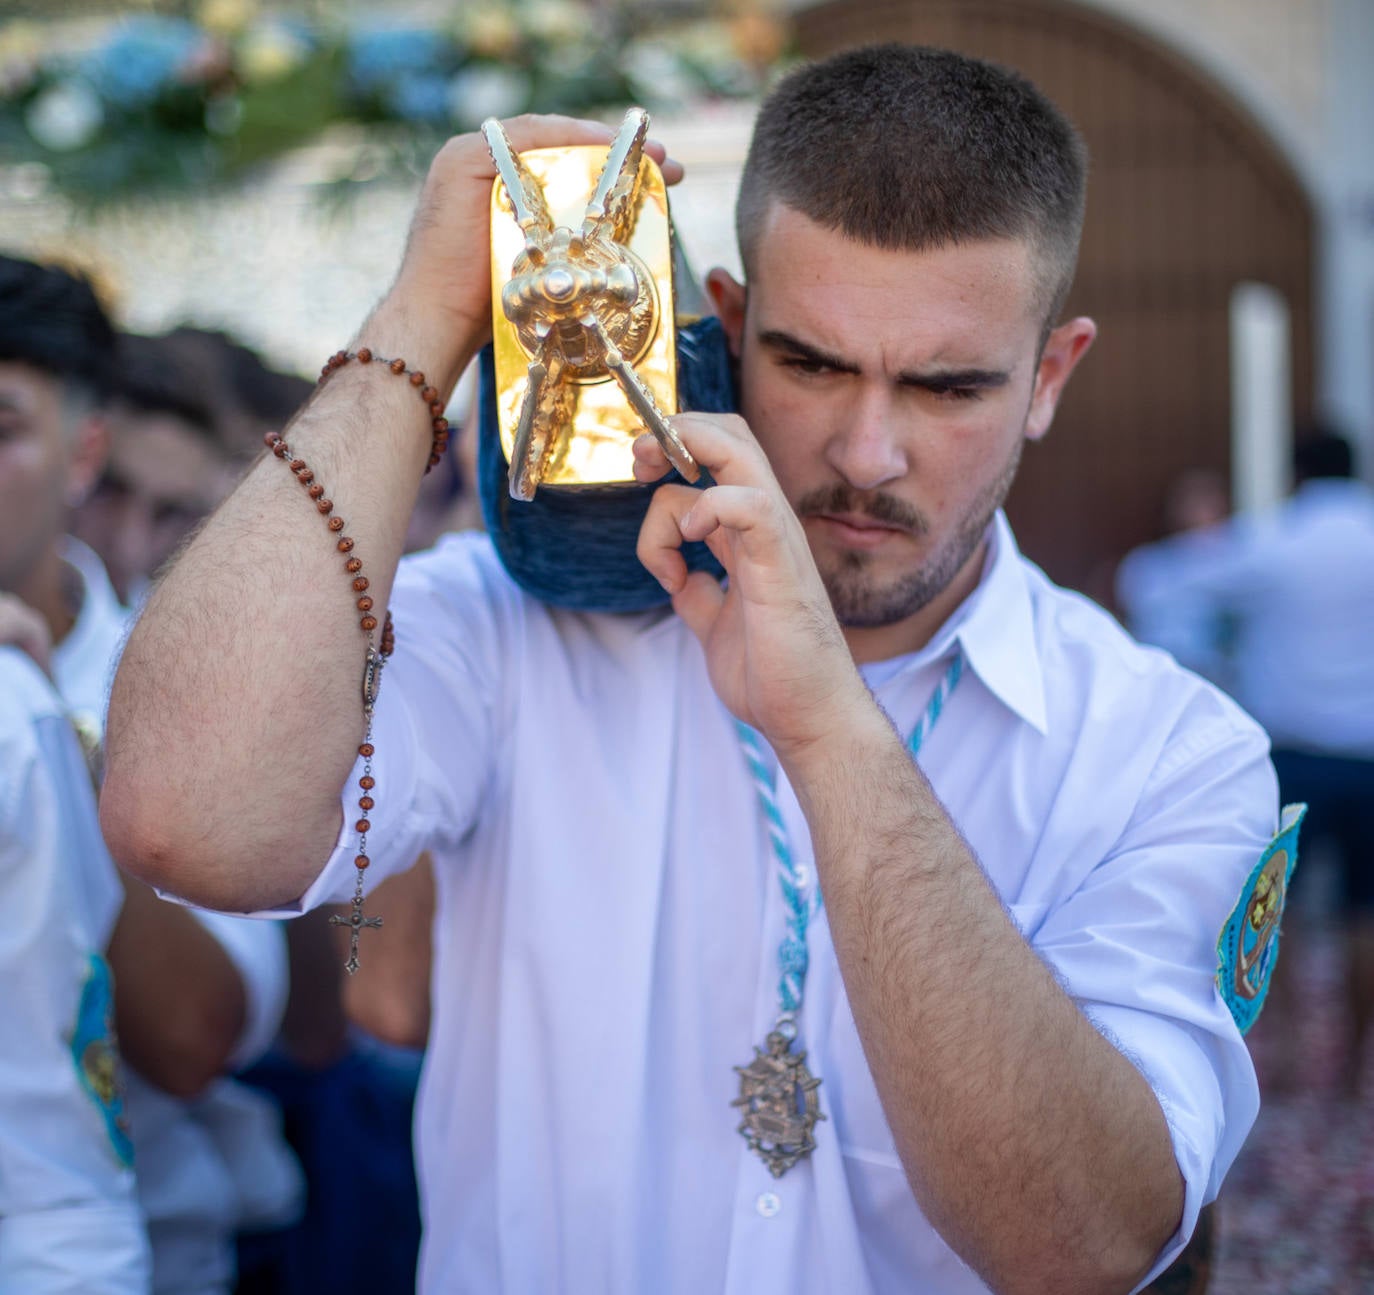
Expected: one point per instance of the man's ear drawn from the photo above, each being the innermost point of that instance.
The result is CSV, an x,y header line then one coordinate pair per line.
x,y
90,446
1064,347
728,296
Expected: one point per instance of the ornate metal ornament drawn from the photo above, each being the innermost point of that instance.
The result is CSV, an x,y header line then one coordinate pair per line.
x,y
582,310
780,1105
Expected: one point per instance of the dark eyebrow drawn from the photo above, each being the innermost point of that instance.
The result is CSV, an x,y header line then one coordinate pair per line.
x,y
955,379
775,339
935,380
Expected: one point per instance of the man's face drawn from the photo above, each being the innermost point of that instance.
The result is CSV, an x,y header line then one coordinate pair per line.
x,y
42,469
161,478
892,392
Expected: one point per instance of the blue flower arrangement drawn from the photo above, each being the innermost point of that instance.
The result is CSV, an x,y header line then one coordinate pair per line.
x,y
157,102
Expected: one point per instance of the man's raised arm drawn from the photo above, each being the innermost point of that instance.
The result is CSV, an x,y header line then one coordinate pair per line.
x,y
236,715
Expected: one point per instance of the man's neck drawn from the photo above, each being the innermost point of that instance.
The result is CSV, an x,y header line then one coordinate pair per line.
x,y
884,642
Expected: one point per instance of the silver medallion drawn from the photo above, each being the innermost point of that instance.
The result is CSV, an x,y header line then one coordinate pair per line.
x,y
779,1102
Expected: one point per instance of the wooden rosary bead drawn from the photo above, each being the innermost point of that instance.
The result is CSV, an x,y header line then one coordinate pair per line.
x,y
367,781
345,545
336,523
360,584
366,750
297,464
326,506
369,623
362,825
365,604
428,392
366,802
305,476
269,439
316,491
280,450
353,564
361,862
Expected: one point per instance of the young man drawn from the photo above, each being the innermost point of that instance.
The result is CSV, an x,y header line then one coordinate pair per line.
x,y
1028,1077
69,1218
195,995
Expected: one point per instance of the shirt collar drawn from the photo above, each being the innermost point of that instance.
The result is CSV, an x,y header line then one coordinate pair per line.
x,y
995,629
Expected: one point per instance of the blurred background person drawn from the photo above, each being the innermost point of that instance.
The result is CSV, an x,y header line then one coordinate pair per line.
x,y
195,995
1294,589
185,416
1149,595
69,1217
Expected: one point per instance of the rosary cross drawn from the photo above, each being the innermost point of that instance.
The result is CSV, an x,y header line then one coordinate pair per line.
x,y
355,921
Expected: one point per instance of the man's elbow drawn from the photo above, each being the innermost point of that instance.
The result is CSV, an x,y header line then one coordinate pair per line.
x,y
178,849
1110,1255
149,839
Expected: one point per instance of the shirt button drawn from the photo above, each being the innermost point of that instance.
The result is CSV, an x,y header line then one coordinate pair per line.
x,y
768,1204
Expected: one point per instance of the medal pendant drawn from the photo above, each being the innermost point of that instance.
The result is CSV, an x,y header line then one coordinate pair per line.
x,y
779,1104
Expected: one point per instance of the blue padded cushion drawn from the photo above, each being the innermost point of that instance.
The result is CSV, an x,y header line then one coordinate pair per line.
x,y
574,546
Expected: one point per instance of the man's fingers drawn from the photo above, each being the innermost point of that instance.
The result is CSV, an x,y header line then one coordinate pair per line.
x,y
650,462
699,601
725,447
659,546
747,511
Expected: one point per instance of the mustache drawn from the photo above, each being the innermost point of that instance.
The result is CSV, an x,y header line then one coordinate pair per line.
x,y
885,509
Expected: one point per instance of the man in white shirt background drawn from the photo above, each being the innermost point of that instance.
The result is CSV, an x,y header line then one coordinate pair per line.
x,y
195,996
1294,588
1002,964
70,1223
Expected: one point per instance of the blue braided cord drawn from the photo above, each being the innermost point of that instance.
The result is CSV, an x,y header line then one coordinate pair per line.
x,y
792,952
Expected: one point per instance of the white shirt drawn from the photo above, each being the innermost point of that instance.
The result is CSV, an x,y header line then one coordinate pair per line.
x,y
211,1166
608,918
69,1220
1299,585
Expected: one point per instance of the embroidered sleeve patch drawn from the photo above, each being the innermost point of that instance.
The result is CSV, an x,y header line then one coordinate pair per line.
x,y
1248,946
97,1059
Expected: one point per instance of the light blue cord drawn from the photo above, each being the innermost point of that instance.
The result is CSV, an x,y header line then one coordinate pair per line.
x,y
792,953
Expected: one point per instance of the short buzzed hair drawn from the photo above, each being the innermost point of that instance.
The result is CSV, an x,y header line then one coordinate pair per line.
x,y
909,148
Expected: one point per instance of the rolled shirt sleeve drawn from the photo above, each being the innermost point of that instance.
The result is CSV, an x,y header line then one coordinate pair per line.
x,y
1135,945
439,719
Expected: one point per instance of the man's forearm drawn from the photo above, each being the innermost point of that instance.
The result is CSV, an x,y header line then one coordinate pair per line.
x,y
236,715
1032,1144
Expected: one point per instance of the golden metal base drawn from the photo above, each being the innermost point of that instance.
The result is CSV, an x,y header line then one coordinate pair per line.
x,y
582,310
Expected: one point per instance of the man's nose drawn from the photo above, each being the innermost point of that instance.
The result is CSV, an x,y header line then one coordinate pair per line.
x,y
865,447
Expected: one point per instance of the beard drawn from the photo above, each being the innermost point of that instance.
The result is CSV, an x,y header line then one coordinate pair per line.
x,y
859,598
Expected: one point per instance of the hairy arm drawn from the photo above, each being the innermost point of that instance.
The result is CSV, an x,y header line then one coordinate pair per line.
x,y
1033,1145
235,716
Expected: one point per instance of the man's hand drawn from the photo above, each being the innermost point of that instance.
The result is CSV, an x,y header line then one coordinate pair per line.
x,y
444,284
24,628
775,651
